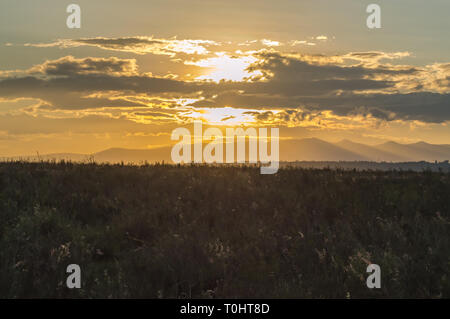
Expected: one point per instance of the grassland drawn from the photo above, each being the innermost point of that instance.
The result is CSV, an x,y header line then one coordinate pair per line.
x,y
164,231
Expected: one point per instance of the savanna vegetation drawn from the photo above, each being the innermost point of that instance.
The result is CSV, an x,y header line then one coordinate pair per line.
x,y
160,231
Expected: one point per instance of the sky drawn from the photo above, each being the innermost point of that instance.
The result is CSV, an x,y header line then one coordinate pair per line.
x,y
138,69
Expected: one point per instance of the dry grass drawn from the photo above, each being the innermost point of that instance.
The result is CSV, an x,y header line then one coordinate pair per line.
x,y
175,232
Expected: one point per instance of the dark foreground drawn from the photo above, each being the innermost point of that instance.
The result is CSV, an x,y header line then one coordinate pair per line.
x,y
197,232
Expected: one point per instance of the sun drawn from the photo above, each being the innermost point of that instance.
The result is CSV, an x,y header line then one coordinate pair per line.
x,y
226,116
226,67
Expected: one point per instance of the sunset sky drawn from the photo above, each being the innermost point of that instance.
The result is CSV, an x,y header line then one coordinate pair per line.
x,y
137,69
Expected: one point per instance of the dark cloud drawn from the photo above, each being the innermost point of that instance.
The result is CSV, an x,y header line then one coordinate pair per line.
x,y
136,44
290,82
68,66
68,83
118,43
290,69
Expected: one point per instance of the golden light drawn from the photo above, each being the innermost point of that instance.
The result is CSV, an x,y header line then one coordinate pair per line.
x,y
226,67
226,116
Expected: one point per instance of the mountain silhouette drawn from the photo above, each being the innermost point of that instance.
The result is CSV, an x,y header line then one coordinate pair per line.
x,y
307,149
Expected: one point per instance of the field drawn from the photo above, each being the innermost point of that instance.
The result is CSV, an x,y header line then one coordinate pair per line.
x,y
161,231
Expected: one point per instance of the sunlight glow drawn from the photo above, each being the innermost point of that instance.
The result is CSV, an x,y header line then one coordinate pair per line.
x,y
226,67
225,116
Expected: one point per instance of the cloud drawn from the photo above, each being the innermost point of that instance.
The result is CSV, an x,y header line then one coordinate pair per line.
x,y
270,43
69,66
70,83
297,42
138,45
315,83
374,58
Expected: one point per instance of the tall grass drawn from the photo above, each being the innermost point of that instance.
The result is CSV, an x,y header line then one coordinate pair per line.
x,y
160,231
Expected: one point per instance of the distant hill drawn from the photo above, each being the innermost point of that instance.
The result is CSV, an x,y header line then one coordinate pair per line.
x,y
308,149
132,155
417,152
313,149
371,153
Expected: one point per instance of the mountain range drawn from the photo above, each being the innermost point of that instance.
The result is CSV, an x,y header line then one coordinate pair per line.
x,y
308,149
312,149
